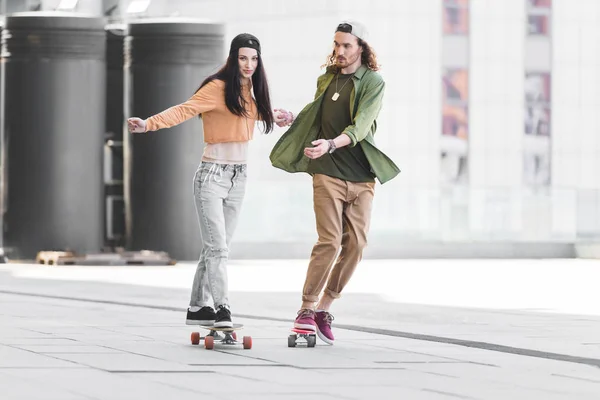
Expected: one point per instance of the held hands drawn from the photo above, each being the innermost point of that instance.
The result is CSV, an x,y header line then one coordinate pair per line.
x,y
283,117
321,147
136,125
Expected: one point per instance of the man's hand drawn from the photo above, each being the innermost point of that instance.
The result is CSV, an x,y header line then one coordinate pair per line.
x,y
321,147
283,117
136,125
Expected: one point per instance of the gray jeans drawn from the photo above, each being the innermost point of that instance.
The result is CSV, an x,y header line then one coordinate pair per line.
x,y
219,191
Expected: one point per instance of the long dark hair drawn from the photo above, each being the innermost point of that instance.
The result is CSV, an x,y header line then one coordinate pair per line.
x,y
230,74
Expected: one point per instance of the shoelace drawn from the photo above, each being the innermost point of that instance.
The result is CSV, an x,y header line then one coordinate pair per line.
x,y
224,309
305,313
328,318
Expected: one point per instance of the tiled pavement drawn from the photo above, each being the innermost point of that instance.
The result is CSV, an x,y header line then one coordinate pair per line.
x,y
117,333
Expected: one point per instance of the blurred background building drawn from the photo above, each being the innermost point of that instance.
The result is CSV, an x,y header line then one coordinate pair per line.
x,y
491,112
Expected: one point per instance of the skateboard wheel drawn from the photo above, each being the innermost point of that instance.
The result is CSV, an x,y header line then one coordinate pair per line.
x,y
292,340
209,342
234,335
247,342
195,337
311,341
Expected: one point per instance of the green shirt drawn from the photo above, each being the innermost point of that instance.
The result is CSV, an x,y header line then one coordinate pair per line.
x,y
365,102
347,163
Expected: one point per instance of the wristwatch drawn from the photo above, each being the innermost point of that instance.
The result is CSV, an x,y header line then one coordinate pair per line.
x,y
331,146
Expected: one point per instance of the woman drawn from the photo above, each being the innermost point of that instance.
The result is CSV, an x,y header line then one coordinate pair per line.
x,y
229,111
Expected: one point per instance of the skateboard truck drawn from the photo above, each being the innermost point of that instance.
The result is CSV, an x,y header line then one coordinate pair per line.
x,y
302,336
228,337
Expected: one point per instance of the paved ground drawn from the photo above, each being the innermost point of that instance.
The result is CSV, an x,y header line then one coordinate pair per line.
x,y
427,329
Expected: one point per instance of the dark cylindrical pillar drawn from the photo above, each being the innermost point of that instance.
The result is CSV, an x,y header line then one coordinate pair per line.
x,y
54,70
165,62
113,147
115,37
3,151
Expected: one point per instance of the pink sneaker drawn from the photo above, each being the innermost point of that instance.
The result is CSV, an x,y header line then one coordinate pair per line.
x,y
324,320
306,320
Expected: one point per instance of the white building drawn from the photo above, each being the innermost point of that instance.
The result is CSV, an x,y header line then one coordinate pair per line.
x,y
522,174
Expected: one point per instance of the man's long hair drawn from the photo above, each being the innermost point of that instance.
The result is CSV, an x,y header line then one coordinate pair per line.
x,y
368,57
230,74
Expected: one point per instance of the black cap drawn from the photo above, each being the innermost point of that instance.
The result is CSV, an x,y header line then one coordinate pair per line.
x,y
244,40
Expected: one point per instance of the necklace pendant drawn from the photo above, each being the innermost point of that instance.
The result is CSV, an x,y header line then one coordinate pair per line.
x,y
335,96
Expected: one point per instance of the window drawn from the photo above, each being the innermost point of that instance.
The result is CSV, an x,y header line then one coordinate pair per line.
x,y
455,17
538,17
536,144
454,145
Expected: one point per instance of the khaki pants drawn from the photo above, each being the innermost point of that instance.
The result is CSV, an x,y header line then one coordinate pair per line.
x,y
343,214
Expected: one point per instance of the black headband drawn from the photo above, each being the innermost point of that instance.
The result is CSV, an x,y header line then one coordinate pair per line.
x,y
245,40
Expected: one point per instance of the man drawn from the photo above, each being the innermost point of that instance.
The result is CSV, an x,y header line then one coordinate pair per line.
x,y
344,162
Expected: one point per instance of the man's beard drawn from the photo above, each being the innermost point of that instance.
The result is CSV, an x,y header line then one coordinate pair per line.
x,y
347,61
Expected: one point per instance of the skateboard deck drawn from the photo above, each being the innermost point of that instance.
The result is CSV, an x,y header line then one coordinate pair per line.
x,y
222,329
303,331
302,336
229,337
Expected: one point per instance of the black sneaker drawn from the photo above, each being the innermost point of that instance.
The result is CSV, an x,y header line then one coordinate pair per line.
x,y
204,316
223,318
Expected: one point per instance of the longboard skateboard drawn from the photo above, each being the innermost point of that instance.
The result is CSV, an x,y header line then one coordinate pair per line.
x,y
228,337
302,336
